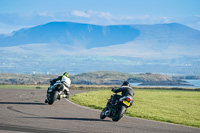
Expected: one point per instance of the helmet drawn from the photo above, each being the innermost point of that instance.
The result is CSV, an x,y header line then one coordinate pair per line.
x,y
65,74
126,83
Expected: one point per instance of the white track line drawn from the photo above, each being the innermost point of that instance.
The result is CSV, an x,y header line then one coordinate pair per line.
x,y
82,106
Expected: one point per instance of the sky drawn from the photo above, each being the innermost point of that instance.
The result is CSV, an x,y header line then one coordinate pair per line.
x,y
17,14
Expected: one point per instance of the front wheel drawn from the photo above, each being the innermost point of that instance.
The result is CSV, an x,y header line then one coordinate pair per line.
x,y
52,97
119,114
102,115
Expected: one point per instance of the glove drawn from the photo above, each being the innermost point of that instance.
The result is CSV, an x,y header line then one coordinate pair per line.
x,y
51,82
112,89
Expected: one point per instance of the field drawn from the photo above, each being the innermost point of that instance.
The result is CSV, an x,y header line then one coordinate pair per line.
x,y
24,86
172,106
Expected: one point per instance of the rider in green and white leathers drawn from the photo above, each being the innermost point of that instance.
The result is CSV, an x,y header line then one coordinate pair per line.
x,y
63,79
66,82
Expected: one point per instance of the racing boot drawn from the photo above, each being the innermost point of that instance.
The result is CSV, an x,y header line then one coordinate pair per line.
x,y
59,96
64,96
46,101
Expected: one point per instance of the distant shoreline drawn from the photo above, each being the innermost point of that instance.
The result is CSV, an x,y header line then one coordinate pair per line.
x,y
104,78
195,83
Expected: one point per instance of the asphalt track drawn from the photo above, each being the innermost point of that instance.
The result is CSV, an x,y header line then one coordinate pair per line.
x,y
24,111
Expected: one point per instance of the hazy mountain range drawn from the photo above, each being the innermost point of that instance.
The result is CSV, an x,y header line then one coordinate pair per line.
x,y
65,46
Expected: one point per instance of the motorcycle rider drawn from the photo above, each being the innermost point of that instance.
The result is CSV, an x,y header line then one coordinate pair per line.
x,y
65,80
126,91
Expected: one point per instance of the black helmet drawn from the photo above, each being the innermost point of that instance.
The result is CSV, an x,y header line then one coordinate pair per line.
x,y
126,83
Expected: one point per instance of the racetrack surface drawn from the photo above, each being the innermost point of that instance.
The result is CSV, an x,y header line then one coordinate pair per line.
x,y
24,111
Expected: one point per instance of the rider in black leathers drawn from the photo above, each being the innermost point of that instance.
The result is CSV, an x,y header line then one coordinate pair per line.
x,y
126,91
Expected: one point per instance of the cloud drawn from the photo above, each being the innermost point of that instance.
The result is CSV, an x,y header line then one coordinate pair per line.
x,y
45,14
80,14
198,15
105,15
92,14
102,15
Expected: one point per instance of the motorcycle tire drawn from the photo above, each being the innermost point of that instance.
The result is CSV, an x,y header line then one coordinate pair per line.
x,y
119,114
102,115
53,96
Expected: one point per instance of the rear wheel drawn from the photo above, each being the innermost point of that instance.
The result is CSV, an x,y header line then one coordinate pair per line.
x,y
119,114
52,97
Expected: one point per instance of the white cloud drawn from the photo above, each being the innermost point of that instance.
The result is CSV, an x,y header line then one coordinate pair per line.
x,y
105,15
45,14
80,14
92,14
198,15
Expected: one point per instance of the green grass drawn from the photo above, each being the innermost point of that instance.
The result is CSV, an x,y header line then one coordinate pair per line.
x,y
172,106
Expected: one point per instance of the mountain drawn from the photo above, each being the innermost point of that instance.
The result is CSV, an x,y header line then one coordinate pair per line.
x,y
68,33
74,47
151,41
157,41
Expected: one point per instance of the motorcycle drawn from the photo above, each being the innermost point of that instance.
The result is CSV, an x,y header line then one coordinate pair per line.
x,y
56,92
117,110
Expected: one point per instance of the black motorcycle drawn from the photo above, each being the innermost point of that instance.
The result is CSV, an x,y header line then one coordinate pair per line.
x,y
56,92
117,110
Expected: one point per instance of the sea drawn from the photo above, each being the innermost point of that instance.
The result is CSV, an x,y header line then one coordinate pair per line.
x,y
195,84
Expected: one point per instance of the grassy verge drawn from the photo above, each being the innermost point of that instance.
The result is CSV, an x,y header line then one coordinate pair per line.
x,y
23,86
94,87
172,106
